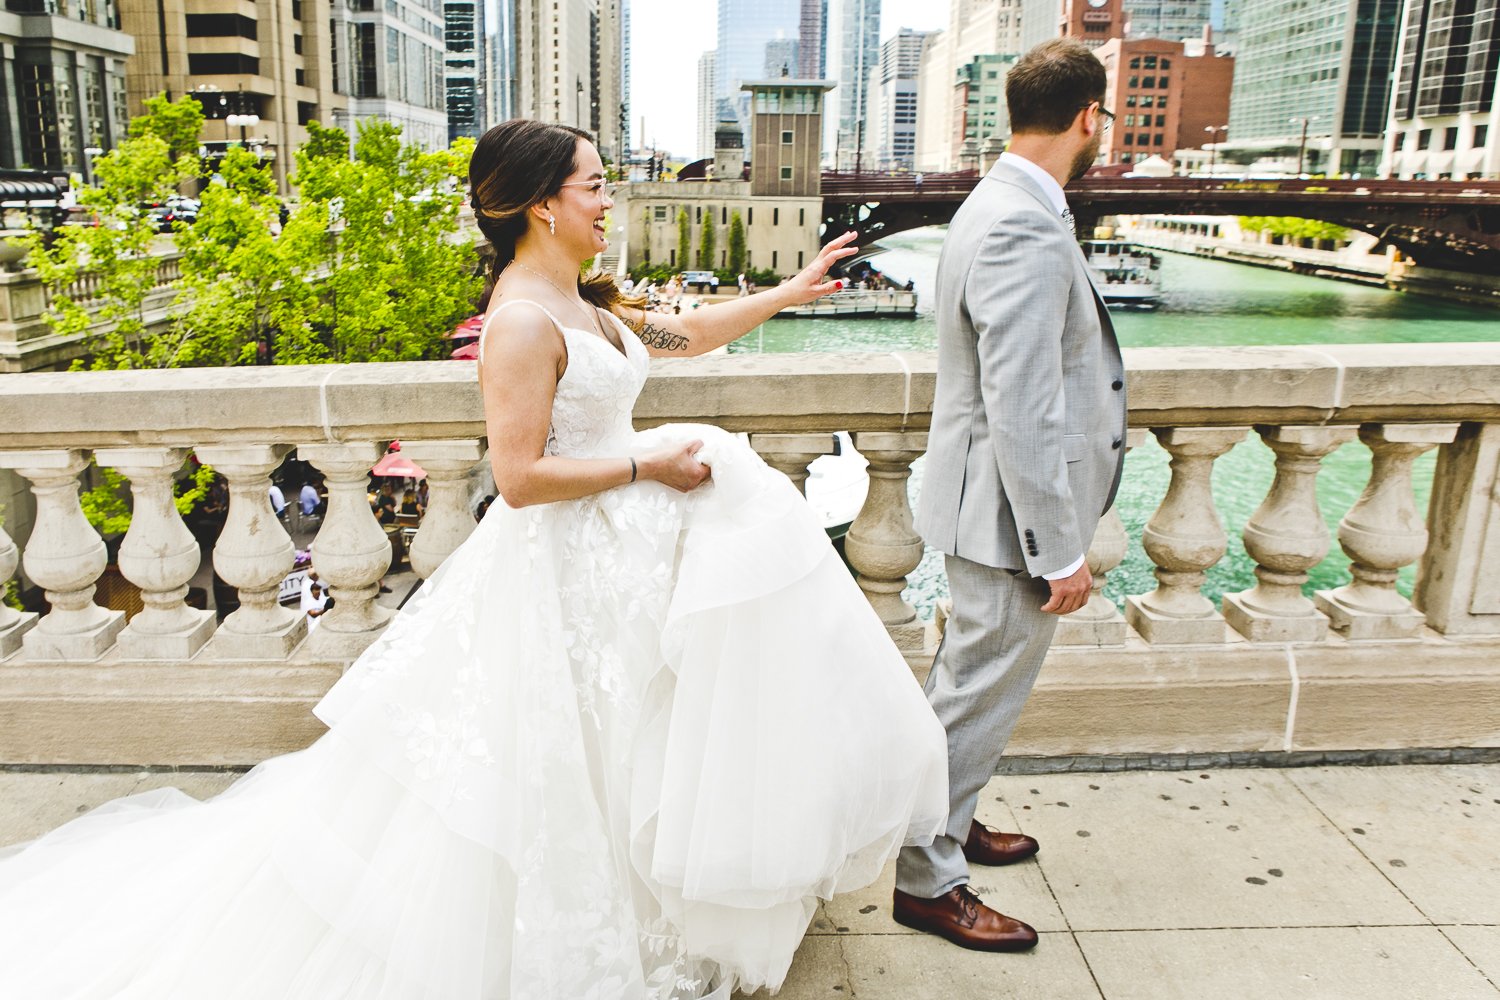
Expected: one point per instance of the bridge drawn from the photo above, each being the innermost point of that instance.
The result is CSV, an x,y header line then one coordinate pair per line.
x,y
1452,225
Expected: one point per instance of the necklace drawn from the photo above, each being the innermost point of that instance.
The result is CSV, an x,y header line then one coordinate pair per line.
x,y
539,274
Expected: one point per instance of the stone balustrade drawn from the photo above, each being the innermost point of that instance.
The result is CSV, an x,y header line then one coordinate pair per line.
x,y
1357,666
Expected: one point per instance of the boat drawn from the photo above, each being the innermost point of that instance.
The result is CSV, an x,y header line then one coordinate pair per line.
x,y
1128,276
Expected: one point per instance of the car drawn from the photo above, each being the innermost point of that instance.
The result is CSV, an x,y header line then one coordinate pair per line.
x,y
175,209
701,279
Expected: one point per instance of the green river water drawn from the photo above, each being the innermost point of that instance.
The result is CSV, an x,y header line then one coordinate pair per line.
x,y
1205,303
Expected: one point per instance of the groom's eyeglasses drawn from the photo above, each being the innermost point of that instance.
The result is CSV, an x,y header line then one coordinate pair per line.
x,y
597,187
1107,118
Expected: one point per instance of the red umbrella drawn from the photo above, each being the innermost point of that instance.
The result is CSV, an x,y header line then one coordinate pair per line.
x,y
468,328
393,463
468,352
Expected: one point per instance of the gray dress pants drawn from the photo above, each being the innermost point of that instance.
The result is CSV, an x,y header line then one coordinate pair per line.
x,y
992,648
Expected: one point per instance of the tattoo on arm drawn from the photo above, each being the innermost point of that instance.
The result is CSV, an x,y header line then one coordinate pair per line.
x,y
662,340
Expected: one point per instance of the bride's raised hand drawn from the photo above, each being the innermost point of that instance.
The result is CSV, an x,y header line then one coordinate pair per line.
x,y
810,283
677,467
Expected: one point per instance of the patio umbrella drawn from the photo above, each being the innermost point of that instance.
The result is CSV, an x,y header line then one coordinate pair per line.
x,y
468,328
393,463
468,352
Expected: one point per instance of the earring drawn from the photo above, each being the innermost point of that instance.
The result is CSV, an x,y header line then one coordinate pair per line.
x,y
552,225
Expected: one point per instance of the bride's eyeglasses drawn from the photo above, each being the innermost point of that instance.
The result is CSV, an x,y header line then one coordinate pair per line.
x,y
597,187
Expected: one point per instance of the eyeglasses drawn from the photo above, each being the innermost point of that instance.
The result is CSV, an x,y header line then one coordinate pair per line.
x,y
603,189
1108,116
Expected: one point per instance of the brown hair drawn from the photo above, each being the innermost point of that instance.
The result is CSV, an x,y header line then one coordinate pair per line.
x,y
1047,88
515,165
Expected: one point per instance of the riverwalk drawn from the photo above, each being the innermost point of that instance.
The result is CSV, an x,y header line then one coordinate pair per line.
x,y
1313,883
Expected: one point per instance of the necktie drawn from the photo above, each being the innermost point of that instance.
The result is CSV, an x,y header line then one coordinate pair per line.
x,y
1067,217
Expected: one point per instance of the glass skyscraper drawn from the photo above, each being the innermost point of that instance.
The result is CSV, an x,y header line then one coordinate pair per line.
x,y
745,26
1172,20
1328,64
853,42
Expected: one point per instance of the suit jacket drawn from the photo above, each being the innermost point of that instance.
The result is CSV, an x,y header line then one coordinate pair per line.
x,y
1028,422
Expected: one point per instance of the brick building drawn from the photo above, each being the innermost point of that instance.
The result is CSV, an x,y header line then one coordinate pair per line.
x,y
1163,98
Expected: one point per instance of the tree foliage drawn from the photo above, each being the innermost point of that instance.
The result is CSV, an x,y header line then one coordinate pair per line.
x,y
684,239
736,244
1291,227
706,240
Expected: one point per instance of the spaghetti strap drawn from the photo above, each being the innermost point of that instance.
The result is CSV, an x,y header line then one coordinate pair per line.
x,y
485,329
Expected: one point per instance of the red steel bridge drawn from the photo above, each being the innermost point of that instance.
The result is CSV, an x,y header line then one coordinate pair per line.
x,y
1453,225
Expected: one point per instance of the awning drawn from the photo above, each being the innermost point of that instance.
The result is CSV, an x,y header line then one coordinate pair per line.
x,y
27,191
397,465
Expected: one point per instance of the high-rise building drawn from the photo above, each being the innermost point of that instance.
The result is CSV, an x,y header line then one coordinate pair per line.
x,y
1445,121
463,66
625,76
893,100
975,28
1173,20
64,85
781,57
1163,97
571,68
396,59
1093,22
853,43
810,32
502,84
1323,72
978,95
708,105
285,62
745,26
1041,20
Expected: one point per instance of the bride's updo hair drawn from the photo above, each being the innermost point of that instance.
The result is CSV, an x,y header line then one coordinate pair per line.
x,y
515,165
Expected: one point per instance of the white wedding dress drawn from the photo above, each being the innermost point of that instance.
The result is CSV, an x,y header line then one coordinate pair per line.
x,y
617,747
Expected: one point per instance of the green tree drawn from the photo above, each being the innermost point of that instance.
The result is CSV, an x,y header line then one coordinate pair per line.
x,y
706,248
684,239
177,123
117,254
736,244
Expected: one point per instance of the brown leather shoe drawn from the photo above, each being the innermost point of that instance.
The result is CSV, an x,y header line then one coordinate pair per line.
x,y
987,846
963,919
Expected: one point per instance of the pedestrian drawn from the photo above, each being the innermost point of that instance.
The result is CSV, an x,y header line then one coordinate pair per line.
x,y
916,182
309,501
278,500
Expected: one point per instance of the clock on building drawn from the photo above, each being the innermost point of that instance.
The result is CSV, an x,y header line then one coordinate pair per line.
x,y
1098,3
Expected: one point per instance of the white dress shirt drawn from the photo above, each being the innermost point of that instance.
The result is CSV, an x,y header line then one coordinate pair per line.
x,y
1054,193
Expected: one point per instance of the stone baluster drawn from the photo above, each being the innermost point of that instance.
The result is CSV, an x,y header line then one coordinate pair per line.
x,y
882,545
1099,622
1286,536
791,454
159,555
1184,538
65,556
448,521
254,554
351,551
1382,533
13,624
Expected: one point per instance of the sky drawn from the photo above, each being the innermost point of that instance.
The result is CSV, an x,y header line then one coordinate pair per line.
x,y
668,36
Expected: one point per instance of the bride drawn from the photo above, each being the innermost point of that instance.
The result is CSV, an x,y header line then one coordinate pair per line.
x,y
618,747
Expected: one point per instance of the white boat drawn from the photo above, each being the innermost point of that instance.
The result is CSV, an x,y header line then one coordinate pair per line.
x,y
836,486
1127,275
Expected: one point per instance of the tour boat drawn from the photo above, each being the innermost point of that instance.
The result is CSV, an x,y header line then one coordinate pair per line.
x,y
1127,275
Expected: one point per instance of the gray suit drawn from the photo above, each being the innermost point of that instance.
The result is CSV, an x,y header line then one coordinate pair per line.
x,y
1024,457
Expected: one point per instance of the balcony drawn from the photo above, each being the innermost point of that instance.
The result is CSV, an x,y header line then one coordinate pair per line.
x,y
1269,671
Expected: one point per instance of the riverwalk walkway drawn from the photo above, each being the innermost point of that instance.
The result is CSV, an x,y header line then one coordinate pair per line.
x,y
1312,883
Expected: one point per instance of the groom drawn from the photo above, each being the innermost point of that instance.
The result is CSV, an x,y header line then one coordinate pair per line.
x,y
1024,457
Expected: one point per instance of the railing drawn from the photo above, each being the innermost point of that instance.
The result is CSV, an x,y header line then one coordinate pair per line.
x,y
1272,668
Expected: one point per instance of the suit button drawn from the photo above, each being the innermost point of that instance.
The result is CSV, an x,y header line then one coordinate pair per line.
x,y
1117,385
1115,444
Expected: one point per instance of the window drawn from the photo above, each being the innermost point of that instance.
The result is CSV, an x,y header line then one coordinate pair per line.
x,y
221,26
1450,137
1481,136
801,221
1130,101
297,44
786,137
1166,63
222,64
659,213
1148,83
1424,138
1130,121
698,215
724,216
673,261
786,173
297,9
1130,138
1135,82
1156,140
1161,121
301,76
1161,101
799,260
773,260
1149,100
749,218
306,112
775,216
1135,63
1148,63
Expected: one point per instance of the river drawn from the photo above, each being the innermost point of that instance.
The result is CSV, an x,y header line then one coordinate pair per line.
x,y
1207,303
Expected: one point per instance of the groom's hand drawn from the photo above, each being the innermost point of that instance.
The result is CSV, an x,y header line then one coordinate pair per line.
x,y
1070,593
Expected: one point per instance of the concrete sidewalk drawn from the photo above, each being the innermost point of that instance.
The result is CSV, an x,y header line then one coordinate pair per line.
x,y
1367,883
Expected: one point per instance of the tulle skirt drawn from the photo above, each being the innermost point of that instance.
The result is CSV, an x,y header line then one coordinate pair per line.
x,y
615,748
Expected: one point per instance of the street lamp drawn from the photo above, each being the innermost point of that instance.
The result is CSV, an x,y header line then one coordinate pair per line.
x,y
1213,144
89,152
242,122
1302,149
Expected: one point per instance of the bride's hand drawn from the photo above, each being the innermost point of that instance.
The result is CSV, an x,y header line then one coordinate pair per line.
x,y
677,467
808,284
